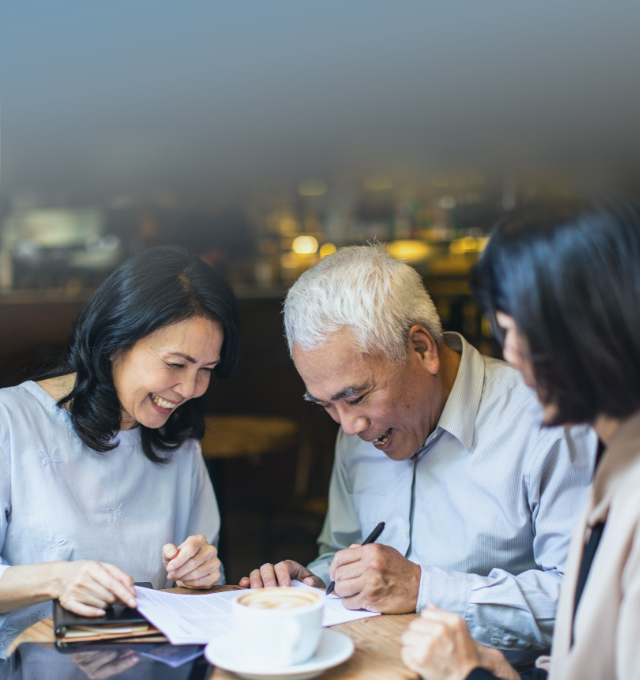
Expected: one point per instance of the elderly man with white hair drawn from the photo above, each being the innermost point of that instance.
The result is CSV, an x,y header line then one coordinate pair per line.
x,y
444,445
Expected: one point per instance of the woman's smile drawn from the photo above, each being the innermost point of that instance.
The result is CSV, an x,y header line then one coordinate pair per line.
x,y
163,406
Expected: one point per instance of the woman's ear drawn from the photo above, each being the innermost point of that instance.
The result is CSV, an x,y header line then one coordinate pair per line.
x,y
118,354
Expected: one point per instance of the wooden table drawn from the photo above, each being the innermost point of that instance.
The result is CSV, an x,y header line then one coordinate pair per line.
x,y
376,656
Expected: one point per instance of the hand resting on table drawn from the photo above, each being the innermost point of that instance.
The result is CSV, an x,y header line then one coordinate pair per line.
x,y
83,587
281,574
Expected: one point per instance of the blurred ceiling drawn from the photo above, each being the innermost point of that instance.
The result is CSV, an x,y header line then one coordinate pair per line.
x,y
100,101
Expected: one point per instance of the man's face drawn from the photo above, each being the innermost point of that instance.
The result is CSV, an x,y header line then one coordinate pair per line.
x,y
395,407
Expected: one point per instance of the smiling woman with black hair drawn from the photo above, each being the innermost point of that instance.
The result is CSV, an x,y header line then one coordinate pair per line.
x,y
102,481
561,283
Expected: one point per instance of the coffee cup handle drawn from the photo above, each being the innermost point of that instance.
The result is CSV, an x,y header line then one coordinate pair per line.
x,y
292,633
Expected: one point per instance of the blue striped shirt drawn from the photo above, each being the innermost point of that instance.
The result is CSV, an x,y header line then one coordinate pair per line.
x,y
486,507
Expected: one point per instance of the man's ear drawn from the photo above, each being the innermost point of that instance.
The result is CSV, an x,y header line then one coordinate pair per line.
x,y
424,348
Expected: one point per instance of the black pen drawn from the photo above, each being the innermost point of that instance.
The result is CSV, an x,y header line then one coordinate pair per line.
x,y
371,538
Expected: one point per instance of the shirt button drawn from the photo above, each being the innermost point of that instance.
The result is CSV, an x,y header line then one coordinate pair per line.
x,y
406,531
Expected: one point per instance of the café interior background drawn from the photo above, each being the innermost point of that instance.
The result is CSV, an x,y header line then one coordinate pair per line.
x,y
264,135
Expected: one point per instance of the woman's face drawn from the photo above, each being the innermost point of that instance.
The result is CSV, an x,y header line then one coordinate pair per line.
x,y
516,352
165,369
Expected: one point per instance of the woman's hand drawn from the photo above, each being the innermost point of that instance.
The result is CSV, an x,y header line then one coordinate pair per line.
x,y
493,660
438,646
87,588
194,564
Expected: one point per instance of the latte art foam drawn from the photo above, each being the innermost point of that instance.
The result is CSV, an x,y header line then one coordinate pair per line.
x,y
272,599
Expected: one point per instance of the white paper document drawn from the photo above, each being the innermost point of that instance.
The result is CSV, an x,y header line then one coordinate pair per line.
x,y
197,619
334,611
188,619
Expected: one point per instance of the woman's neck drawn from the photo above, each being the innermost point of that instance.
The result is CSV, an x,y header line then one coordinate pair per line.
x,y
58,388
606,427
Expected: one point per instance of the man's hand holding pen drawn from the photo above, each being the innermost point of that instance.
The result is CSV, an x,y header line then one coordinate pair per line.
x,y
369,576
377,578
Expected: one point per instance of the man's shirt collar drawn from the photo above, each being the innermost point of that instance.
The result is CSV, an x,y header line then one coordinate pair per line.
x,y
459,414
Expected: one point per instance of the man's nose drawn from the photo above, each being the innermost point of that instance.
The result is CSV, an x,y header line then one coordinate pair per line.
x,y
352,423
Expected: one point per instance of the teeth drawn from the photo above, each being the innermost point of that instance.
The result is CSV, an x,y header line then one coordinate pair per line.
x,y
383,439
162,403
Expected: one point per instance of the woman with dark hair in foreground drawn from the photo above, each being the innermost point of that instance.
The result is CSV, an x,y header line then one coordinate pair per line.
x,y
562,285
102,481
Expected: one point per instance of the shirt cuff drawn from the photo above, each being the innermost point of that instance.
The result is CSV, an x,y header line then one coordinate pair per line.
x,y
447,589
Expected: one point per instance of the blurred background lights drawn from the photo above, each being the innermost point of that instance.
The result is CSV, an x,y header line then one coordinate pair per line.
x,y
475,179
458,182
447,202
377,182
288,225
440,181
305,245
410,251
312,187
468,244
327,249
290,260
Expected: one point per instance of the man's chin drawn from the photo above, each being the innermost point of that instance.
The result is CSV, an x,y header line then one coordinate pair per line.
x,y
394,447
399,453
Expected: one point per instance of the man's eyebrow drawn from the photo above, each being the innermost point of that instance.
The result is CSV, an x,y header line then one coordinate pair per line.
x,y
346,393
190,359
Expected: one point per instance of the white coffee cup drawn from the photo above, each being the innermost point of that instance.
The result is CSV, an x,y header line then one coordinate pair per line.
x,y
278,626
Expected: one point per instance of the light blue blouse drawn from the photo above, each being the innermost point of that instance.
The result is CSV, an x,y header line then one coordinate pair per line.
x,y
60,500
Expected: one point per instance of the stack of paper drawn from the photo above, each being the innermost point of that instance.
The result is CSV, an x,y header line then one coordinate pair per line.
x,y
197,619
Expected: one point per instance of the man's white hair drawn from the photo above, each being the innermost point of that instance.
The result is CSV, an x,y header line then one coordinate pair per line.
x,y
364,289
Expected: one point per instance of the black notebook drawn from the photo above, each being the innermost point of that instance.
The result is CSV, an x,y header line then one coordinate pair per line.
x,y
118,622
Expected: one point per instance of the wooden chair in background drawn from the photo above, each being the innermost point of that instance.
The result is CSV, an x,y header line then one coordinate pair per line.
x,y
240,436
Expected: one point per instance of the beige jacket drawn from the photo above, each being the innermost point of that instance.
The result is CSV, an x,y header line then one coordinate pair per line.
x,y
607,626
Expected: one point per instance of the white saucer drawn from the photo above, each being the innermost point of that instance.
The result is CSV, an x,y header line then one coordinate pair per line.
x,y
334,648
